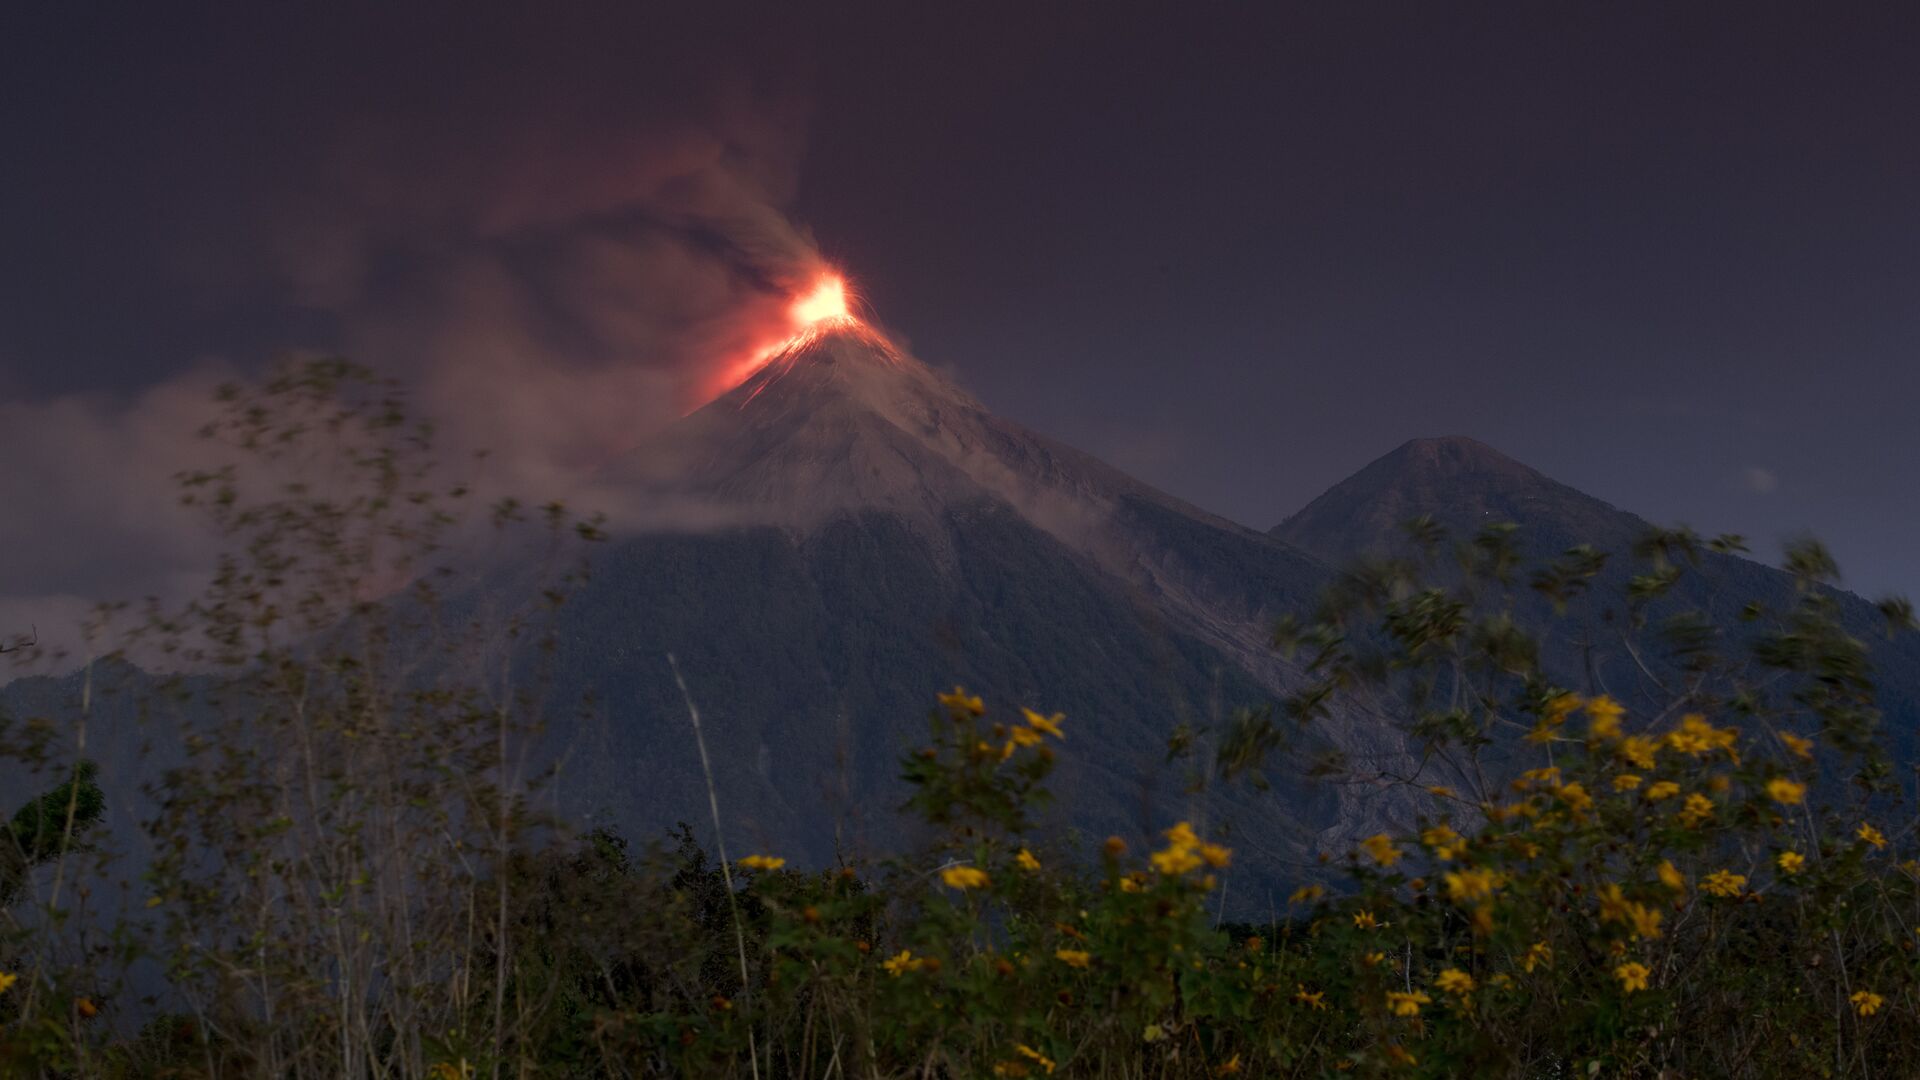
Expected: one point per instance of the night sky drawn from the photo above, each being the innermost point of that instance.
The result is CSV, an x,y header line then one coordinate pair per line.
x,y
1669,254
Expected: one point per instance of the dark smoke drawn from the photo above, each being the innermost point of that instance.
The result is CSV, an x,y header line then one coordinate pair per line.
x,y
552,235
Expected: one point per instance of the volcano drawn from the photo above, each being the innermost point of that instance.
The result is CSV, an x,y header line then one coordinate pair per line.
x,y
846,533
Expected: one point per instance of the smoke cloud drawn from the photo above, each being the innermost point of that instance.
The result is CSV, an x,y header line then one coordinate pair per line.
x,y
553,245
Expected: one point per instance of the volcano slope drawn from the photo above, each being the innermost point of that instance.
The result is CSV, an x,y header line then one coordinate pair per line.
x,y
847,533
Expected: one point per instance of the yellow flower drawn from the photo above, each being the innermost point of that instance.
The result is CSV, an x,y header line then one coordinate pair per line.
x,y
1153,1033
763,862
1662,789
7,980
1785,791
1454,981
1559,707
1216,856
1537,953
1035,1056
1671,877
1373,959
959,702
1871,835
902,963
1867,1002
1645,921
1696,737
1047,724
964,877
1074,958
1307,894
1401,1055
1471,885
1802,748
1604,715
1365,921
1184,851
1626,781
1380,846
1639,751
1444,841
1443,791
1175,860
1026,861
1228,1067
1547,777
1613,904
1790,862
1632,976
1575,796
1615,907
1313,998
1026,736
1406,1004
1723,883
1698,809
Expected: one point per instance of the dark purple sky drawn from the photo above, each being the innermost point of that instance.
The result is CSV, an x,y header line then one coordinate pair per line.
x,y
1669,254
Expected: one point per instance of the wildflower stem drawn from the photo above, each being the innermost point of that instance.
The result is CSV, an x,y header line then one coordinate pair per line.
x,y
720,846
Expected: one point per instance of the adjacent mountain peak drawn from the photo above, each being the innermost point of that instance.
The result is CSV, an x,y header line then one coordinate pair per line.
x,y
1463,484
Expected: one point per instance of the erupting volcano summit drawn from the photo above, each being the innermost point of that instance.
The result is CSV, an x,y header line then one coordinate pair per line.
x,y
827,301
822,310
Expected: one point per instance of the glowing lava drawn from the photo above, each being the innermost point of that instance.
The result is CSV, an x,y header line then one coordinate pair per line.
x,y
824,307
828,300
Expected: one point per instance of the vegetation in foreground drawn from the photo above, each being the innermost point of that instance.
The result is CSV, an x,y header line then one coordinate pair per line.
x,y
351,876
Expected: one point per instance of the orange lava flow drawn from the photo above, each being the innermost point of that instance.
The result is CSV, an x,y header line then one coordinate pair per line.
x,y
824,305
